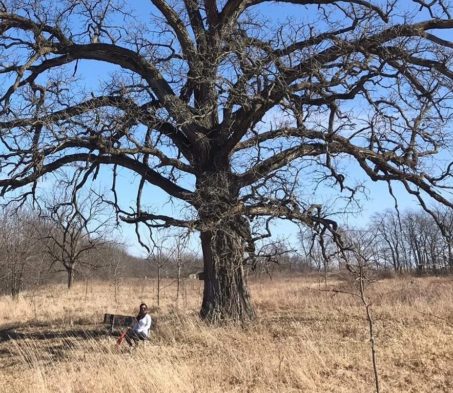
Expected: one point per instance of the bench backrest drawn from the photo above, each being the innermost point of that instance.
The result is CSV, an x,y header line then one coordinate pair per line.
x,y
118,320
123,321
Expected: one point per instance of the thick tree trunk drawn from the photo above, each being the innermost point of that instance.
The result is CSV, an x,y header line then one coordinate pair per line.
x,y
224,238
225,296
70,277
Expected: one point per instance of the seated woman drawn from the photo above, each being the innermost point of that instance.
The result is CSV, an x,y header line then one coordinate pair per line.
x,y
140,330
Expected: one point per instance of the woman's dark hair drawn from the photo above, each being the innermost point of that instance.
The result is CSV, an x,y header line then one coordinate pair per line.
x,y
140,313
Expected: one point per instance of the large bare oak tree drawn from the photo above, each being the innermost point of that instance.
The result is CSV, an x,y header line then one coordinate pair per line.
x,y
234,113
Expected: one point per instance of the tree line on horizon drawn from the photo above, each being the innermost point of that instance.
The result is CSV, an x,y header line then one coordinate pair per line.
x,y
396,241
31,254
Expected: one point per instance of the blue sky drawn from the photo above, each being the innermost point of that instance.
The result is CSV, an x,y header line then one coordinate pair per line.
x,y
376,199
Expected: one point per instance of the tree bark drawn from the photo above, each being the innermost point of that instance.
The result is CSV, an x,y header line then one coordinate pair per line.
x,y
70,277
225,295
224,236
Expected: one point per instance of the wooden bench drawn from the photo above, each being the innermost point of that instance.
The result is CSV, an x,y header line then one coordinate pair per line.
x,y
118,321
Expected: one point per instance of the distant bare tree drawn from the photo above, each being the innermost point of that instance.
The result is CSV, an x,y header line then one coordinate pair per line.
x,y
181,239
76,227
445,216
115,269
424,239
20,249
159,257
393,246
414,239
268,257
320,250
236,115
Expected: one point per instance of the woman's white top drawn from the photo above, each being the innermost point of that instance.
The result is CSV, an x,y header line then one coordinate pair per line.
x,y
143,325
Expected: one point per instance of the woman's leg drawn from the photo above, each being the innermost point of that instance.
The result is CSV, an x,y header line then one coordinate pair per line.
x,y
130,335
142,336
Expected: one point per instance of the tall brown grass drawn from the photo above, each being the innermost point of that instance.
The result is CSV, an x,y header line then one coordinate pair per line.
x,y
305,340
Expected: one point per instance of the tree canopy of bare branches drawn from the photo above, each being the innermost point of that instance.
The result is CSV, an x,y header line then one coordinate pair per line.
x,y
235,114
76,227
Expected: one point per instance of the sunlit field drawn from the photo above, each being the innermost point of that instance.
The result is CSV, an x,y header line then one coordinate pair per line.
x,y
306,339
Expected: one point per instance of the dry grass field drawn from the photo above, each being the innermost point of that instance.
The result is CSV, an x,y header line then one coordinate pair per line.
x,y
305,340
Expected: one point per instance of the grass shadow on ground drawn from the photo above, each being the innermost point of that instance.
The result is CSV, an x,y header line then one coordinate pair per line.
x,y
20,332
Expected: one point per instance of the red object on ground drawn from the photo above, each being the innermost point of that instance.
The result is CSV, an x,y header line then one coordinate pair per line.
x,y
121,338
